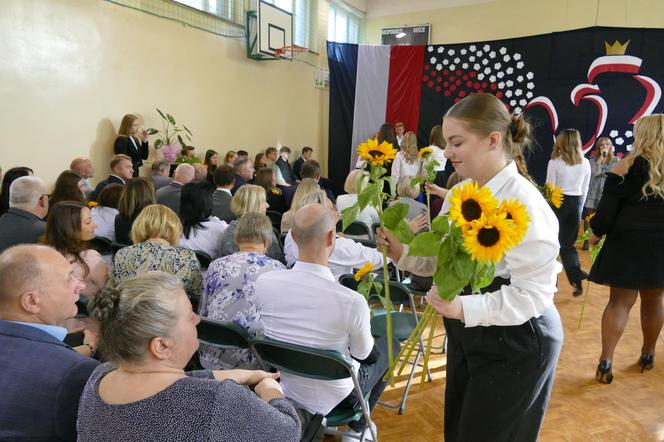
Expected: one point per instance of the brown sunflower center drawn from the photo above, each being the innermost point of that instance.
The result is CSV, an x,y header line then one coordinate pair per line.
x,y
375,153
509,216
471,210
488,236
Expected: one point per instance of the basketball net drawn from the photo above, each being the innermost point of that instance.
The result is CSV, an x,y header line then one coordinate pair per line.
x,y
293,52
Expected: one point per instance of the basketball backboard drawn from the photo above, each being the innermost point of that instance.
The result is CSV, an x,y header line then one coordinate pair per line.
x,y
269,30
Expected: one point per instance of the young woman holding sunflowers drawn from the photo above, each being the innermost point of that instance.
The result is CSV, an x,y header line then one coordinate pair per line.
x,y
503,345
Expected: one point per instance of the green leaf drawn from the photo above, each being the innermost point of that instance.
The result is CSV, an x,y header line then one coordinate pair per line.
x,y
464,266
182,143
158,143
425,244
152,131
394,214
378,287
448,284
162,114
171,119
185,128
441,225
417,180
348,215
403,232
367,196
483,275
447,249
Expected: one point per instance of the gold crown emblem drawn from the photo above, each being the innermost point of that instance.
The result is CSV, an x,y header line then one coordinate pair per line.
x,y
616,48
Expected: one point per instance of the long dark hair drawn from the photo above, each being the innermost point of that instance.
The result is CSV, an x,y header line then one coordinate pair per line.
x,y
386,133
11,175
208,156
195,206
66,188
63,231
136,195
264,178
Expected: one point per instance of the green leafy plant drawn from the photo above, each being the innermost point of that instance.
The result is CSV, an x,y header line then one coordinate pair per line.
x,y
170,132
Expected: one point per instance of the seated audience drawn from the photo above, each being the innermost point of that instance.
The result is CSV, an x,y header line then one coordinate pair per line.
x,y
68,187
41,379
148,335
200,172
244,172
260,161
159,175
356,181
69,228
228,289
155,234
271,154
10,176
407,195
201,231
169,195
104,213
132,142
307,306
84,167
211,161
266,178
307,187
136,195
224,178
310,169
242,155
28,205
230,158
249,199
284,166
121,172
187,155
307,153
347,254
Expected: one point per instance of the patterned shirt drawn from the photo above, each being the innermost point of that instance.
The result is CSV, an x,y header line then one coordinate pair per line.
x,y
150,256
228,294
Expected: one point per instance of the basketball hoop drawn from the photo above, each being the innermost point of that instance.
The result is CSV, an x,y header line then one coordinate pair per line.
x,y
288,52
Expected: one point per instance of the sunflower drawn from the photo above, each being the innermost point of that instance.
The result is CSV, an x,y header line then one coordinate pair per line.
x,y
554,195
469,203
376,154
589,217
364,270
425,152
92,204
488,238
517,215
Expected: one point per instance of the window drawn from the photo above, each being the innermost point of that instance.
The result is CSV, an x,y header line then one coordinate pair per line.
x,y
304,20
227,9
344,24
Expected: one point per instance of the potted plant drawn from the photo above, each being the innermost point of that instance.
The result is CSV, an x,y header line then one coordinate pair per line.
x,y
170,139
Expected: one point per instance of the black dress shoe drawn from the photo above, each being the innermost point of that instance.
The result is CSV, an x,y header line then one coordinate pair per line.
x,y
604,373
647,361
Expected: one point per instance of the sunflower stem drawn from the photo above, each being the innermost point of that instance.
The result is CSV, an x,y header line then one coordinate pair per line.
x,y
411,340
415,340
388,309
427,349
583,306
428,210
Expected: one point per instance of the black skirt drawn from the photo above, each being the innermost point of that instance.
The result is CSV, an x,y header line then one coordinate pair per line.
x,y
631,260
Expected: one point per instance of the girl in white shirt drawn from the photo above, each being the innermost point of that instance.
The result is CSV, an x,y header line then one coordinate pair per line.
x,y
200,230
437,145
407,162
503,345
570,171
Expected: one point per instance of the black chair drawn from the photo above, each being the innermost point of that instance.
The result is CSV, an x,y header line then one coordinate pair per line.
x,y
203,258
116,246
225,335
275,218
82,305
101,245
324,365
367,242
358,230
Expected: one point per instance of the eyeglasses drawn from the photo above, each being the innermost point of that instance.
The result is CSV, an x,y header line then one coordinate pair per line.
x,y
47,195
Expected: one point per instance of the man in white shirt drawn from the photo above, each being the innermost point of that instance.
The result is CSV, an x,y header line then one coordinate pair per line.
x,y
307,306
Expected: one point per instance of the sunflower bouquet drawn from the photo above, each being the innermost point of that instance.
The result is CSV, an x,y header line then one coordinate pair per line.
x,y
594,251
367,284
552,194
468,241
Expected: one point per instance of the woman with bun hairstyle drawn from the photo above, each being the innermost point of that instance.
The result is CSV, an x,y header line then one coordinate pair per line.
x,y
503,345
132,142
148,335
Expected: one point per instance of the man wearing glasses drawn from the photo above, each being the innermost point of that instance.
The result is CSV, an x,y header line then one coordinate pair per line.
x,y
24,221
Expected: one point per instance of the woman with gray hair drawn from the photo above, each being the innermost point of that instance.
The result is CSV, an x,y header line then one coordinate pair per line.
x,y
148,333
228,288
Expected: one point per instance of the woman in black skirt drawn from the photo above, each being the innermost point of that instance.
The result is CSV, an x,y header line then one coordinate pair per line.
x,y
631,262
570,171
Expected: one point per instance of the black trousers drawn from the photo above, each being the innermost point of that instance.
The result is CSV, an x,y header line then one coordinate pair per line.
x,y
569,219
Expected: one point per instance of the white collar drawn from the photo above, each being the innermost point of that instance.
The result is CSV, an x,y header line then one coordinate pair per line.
x,y
121,179
316,269
501,178
228,191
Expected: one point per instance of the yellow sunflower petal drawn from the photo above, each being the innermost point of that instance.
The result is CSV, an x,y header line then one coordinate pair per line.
x,y
469,203
425,152
376,154
488,238
363,271
517,215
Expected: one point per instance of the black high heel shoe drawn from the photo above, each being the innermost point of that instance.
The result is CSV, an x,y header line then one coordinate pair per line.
x,y
578,288
604,373
646,361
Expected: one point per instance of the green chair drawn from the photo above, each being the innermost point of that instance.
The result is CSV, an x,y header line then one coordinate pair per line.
x,y
225,335
324,365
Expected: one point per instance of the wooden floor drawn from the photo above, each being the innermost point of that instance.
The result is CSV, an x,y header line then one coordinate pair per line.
x,y
630,409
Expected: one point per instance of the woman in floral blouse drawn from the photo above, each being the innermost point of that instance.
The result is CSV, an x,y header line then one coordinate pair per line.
x,y
155,234
228,290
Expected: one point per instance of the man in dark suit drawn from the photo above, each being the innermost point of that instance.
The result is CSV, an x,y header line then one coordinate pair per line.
x,y
224,178
307,152
41,378
310,169
132,142
284,166
28,205
159,176
170,195
244,172
121,172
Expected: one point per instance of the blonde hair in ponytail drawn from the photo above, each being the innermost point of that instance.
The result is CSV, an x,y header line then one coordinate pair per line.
x,y
649,143
485,113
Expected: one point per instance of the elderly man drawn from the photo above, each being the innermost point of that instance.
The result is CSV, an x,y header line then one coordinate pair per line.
x,y
307,306
122,171
159,175
170,195
244,173
84,167
28,205
42,378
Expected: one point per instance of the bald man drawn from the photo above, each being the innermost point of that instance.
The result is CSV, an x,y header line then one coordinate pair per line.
x,y
84,167
24,221
41,378
170,195
307,306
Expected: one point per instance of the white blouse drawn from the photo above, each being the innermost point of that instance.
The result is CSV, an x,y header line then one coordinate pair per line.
x,y
401,167
206,240
531,266
438,154
368,216
573,180
104,218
